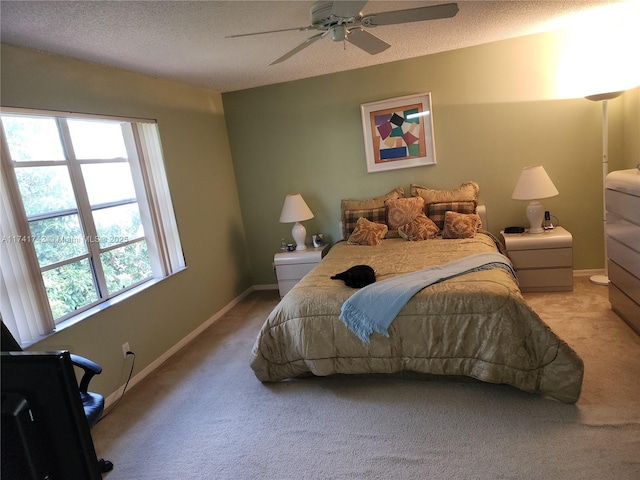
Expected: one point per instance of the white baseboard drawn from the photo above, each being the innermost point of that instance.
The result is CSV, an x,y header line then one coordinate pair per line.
x,y
111,399
588,273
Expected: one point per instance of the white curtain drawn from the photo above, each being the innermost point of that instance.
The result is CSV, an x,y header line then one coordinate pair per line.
x,y
160,205
23,299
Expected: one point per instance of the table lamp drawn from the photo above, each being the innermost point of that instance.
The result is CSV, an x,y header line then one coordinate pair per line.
x,y
534,184
295,209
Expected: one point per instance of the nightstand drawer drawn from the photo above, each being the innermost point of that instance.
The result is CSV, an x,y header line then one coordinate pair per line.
x,y
285,285
553,257
293,272
545,279
290,267
543,261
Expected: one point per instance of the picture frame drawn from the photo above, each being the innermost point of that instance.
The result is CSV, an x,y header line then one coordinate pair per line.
x,y
398,133
318,240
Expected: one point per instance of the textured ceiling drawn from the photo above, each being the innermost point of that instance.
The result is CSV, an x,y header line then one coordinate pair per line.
x,y
185,40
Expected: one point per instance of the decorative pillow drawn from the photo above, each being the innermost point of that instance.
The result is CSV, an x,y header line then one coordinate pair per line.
x,y
350,218
437,211
402,210
369,204
420,228
467,192
367,233
460,225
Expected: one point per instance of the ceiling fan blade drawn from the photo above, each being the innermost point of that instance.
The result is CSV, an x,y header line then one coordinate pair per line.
x,y
300,29
300,47
366,41
411,15
347,8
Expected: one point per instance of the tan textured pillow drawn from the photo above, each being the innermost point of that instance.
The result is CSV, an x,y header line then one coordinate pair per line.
x,y
376,202
350,218
460,225
402,210
437,211
420,228
367,233
467,192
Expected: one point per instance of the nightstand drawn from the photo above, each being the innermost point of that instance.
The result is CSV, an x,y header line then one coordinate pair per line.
x,y
543,261
290,267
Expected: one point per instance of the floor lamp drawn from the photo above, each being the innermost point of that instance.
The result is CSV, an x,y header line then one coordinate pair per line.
x,y
603,97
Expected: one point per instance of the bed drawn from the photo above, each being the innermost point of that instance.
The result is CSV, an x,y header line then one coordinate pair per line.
x,y
475,324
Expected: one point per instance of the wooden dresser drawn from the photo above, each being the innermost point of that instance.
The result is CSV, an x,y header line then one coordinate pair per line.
x,y
622,196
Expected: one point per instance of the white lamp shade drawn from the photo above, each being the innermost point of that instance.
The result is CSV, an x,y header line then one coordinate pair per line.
x,y
533,184
295,209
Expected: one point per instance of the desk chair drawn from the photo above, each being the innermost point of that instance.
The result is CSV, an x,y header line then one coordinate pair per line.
x,y
92,402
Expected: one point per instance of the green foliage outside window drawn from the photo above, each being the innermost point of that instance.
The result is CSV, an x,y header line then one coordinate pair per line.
x,y
69,287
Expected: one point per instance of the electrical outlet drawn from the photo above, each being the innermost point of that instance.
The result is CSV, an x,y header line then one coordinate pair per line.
x,y
125,349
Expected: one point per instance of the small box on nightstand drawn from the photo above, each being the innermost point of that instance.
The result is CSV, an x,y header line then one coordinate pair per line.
x,y
543,261
290,267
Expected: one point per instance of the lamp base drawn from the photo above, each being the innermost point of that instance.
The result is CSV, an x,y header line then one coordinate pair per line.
x,y
535,214
299,236
599,279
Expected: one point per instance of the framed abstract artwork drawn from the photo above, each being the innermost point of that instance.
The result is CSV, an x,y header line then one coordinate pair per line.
x,y
398,133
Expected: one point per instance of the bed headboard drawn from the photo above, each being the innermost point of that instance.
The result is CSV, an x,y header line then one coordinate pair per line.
x,y
482,211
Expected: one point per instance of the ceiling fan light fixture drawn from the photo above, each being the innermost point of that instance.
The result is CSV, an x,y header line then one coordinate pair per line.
x,y
338,33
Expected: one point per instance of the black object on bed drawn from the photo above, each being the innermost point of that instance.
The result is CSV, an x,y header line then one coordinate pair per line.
x,y
357,276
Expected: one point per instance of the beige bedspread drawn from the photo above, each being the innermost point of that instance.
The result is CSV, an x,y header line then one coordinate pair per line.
x,y
476,325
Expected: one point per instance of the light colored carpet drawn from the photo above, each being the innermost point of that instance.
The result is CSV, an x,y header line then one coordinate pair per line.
x,y
203,414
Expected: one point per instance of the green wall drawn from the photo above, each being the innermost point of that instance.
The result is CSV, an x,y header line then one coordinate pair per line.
x,y
494,111
631,129
230,169
203,187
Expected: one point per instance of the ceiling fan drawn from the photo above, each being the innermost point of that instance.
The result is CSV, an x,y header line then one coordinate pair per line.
x,y
344,22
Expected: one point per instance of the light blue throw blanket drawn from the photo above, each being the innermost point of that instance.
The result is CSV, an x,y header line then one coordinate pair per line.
x,y
374,307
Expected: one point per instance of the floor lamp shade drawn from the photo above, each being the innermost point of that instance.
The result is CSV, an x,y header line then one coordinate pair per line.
x,y
295,209
534,184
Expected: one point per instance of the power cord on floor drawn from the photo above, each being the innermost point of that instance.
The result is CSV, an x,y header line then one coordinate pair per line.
x,y
124,390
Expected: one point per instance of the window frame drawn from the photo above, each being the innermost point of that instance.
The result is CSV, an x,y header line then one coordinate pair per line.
x,y
144,150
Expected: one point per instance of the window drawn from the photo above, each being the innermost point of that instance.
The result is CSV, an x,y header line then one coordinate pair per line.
x,y
87,215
